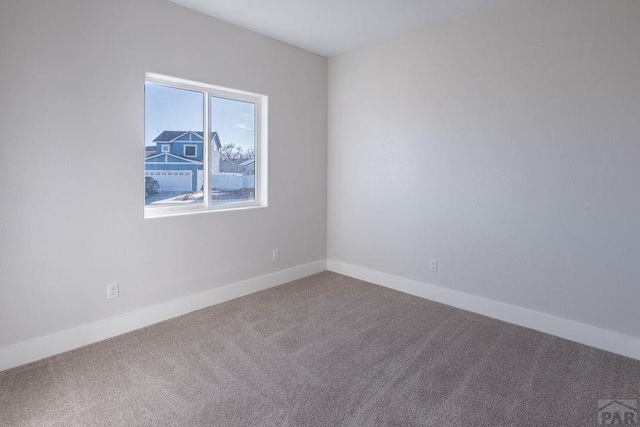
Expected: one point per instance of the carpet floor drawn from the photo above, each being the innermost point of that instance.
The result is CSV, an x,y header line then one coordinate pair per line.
x,y
327,350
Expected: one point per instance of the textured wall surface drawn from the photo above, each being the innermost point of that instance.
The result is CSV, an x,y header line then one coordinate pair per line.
x,y
71,167
505,144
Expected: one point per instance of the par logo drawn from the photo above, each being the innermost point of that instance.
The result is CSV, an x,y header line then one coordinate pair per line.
x,y
618,412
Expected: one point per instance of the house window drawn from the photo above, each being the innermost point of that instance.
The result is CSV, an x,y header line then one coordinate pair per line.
x,y
190,150
219,125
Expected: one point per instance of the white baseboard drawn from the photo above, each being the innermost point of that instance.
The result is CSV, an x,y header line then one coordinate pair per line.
x,y
603,339
49,345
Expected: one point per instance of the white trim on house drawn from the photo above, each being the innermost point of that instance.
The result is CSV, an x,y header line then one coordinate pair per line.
x,y
39,348
593,336
165,147
182,162
166,163
180,136
190,132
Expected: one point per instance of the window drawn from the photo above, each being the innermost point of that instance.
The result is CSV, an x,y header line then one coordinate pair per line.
x,y
212,147
190,151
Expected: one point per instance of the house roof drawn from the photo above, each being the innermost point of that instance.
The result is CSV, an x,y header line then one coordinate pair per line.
x,y
236,162
172,135
245,167
224,157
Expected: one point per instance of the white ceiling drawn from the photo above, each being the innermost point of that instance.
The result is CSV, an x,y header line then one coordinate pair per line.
x,y
331,27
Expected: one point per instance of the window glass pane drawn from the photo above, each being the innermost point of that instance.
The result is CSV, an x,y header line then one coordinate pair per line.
x,y
190,150
233,151
173,117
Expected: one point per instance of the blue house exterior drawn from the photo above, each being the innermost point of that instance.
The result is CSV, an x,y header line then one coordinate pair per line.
x,y
177,164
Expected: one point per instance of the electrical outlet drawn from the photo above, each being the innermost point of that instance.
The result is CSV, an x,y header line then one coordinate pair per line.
x,y
113,290
433,265
276,254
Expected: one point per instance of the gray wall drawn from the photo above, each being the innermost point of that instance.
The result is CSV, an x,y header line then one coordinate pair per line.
x,y
506,144
71,167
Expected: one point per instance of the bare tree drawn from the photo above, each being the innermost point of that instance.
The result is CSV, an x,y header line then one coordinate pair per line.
x,y
233,152
227,149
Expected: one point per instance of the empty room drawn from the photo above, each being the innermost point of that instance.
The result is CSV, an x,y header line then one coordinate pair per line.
x,y
354,212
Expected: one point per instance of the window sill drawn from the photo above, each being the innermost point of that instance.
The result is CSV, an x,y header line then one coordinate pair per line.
x,y
163,212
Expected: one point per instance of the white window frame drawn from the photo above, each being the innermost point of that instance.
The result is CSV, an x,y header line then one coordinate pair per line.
x,y
261,132
165,148
184,150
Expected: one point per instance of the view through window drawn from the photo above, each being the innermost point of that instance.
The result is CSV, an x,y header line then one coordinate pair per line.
x,y
178,115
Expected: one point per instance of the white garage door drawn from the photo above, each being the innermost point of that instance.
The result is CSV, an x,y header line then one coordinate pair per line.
x,y
173,180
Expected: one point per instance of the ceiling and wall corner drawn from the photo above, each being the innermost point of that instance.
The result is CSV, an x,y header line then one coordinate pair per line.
x,y
331,27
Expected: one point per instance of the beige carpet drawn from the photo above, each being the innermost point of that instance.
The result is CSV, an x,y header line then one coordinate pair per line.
x,y
327,350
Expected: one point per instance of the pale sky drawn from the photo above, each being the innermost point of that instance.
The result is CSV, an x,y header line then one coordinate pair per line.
x,y
177,109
